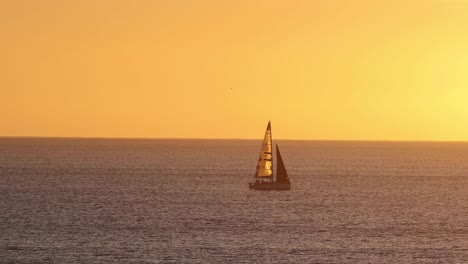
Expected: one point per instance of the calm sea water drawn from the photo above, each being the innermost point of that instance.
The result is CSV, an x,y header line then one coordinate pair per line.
x,y
187,201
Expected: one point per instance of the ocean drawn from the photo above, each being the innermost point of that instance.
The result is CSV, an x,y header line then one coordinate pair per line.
x,y
188,201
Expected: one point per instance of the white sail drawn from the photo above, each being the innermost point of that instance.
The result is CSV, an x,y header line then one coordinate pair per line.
x,y
265,160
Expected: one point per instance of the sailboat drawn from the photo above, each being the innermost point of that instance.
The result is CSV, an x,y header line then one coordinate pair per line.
x,y
264,178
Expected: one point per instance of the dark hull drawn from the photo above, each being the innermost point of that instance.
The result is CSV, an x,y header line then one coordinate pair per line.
x,y
270,186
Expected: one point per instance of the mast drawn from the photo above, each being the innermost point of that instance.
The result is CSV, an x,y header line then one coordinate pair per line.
x,y
271,143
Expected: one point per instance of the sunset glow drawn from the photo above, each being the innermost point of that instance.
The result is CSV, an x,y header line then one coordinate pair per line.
x,y
358,70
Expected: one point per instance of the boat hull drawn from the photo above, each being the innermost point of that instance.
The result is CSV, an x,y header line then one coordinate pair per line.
x,y
270,186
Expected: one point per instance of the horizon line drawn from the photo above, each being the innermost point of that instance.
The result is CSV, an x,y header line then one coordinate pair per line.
x,y
195,138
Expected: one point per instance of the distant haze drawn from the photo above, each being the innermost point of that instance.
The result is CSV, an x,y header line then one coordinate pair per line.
x,y
330,69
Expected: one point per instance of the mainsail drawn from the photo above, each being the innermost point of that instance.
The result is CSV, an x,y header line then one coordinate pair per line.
x,y
265,160
281,173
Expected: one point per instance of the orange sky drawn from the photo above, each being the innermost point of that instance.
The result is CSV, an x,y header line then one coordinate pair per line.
x,y
329,69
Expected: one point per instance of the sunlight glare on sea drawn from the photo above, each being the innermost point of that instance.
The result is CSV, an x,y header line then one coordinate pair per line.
x,y
188,201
